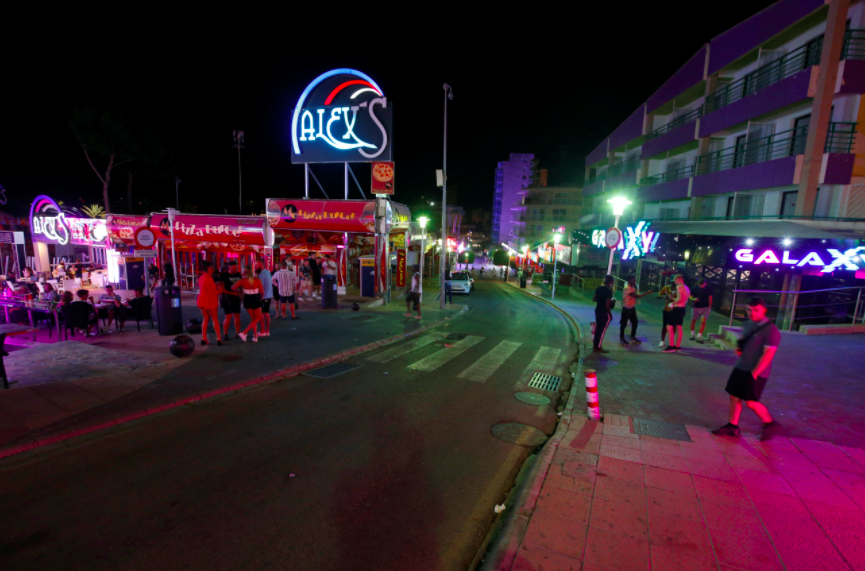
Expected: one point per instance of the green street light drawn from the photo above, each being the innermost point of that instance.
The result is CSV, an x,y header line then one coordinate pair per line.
x,y
422,220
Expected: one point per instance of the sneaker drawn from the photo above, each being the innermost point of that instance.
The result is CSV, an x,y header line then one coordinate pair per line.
x,y
599,350
294,318
623,341
692,336
255,338
226,338
636,341
769,430
219,343
700,340
662,344
242,336
670,349
727,430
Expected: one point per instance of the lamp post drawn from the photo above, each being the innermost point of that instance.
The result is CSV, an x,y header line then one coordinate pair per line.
x,y
449,94
525,249
619,203
556,238
238,144
422,220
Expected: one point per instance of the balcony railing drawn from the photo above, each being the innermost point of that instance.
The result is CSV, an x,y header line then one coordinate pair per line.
x,y
839,139
793,62
623,167
535,200
600,176
684,172
854,45
689,117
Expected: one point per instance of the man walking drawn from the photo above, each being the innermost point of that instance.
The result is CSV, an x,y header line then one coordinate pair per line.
x,y
677,314
413,296
755,348
666,294
702,307
315,270
286,281
266,296
630,295
603,313
208,302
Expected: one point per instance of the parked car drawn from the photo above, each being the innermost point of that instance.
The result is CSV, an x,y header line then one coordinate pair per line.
x,y
461,282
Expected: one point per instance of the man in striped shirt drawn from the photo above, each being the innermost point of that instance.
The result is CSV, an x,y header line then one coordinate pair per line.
x,y
286,281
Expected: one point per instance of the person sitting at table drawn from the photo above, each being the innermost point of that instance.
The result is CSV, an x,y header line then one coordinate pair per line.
x,y
27,274
110,306
66,298
50,294
84,297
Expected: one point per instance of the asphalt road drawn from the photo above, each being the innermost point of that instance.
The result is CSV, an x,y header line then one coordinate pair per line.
x,y
389,466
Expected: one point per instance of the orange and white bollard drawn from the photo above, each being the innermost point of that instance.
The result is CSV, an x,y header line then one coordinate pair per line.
x,y
592,395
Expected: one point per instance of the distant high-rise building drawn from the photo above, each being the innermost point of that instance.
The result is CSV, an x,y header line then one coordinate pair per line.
x,y
513,177
543,175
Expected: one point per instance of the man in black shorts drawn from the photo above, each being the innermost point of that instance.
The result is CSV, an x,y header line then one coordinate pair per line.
x,y
677,315
315,270
229,300
603,313
756,348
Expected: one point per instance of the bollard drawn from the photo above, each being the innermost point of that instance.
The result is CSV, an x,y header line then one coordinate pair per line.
x,y
592,395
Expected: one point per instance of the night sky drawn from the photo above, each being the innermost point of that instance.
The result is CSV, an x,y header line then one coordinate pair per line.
x,y
549,81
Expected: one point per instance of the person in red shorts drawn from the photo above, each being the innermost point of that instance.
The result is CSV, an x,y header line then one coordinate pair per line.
x,y
208,302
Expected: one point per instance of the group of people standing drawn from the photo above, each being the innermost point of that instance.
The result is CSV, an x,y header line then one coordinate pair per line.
x,y
253,289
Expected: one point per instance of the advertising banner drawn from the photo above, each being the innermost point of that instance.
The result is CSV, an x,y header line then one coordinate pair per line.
x,y
808,260
382,177
121,228
400,267
321,215
217,230
51,224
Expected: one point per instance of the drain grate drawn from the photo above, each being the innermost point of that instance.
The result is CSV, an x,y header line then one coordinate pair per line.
x,y
660,429
332,370
545,382
532,398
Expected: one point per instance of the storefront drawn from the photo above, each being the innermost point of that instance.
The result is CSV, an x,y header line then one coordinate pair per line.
x,y
62,234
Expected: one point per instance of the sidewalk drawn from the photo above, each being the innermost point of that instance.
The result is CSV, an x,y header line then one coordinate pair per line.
x,y
815,389
61,387
613,500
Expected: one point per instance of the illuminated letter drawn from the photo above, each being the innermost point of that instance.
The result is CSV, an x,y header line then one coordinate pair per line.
x,y
787,259
334,116
307,126
320,117
843,259
812,259
647,242
349,126
745,255
383,102
768,257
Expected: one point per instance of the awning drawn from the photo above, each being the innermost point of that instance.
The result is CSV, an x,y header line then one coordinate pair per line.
x,y
766,228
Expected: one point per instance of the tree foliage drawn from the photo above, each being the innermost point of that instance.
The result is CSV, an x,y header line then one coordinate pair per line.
x,y
466,257
501,258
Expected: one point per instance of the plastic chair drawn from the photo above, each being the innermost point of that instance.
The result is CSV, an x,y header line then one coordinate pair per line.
x,y
77,316
140,309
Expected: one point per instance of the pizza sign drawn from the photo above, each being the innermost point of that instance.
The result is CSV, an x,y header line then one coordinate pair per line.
x,y
382,177
342,116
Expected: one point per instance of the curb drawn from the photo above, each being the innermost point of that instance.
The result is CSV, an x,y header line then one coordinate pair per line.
x,y
504,552
286,372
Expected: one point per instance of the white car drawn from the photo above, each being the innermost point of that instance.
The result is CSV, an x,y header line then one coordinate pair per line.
x,y
461,282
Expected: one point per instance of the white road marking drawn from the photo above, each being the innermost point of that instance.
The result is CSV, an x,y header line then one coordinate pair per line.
x,y
487,365
405,348
443,356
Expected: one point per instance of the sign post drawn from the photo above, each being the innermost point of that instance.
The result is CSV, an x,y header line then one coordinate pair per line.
x,y
612,239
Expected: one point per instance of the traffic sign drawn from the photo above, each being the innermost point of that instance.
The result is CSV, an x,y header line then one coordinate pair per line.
x,y
144,238
613,237
144,253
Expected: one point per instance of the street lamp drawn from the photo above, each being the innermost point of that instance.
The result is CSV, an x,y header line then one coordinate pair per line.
x,y
238,144
422,220
556,238
619,203
449,94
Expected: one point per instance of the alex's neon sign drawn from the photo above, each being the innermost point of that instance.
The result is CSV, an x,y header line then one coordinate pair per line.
x,y
636,242
342,116
848,260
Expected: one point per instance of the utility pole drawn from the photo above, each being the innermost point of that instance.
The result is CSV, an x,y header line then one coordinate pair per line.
x,y
177,192
449,94
238,144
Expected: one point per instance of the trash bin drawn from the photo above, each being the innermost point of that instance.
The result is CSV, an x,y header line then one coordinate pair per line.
x,y
523,281
169,313
328,292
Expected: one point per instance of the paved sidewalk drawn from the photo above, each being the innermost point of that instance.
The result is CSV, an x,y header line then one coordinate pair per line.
x,y
616,501
815,389
58,387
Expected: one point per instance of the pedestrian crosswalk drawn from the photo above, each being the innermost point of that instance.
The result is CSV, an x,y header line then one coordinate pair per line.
x,y
544,359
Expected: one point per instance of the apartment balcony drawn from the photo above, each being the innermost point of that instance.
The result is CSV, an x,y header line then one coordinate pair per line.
x,y
773,161
666,186
595,185
677,133
531,201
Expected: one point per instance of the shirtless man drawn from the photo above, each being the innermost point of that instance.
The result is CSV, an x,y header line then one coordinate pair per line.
x,y
677,315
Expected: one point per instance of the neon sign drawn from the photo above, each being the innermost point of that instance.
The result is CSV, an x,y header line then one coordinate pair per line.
x,y
50,224
828,259
342,116
636,242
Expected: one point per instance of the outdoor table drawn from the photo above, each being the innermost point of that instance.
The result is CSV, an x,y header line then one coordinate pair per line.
x,y
31,307
8,329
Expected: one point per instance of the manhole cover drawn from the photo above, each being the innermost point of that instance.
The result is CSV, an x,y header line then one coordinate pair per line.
x,y
660,429
519,434
545,382
455,336
230,358
532,398
332,370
